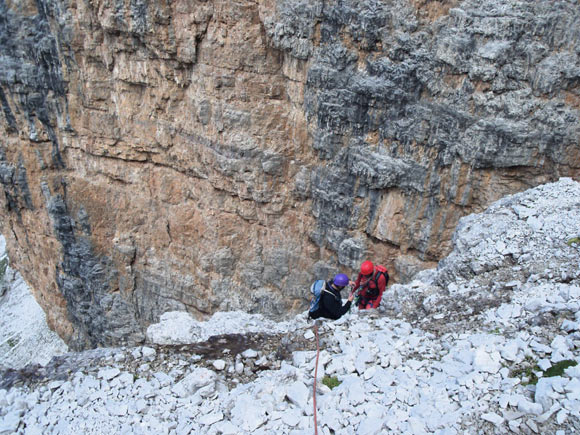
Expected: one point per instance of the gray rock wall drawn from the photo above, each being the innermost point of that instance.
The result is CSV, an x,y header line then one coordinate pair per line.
x,y
397,101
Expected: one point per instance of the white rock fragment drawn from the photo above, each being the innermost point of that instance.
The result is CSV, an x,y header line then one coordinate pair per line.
x,y
163,378
300,358
357,394
543,394
210,419
117,409
534,305
141,406
573,386
219,364
485,361
226,428
570,326
546,415
573,372
503,401
510,416
126,379
9,423
532,425
108,374
174,327
197,379
263,361
395,360
250,353
298,394
292,417
148,353
493,418
510,351
559,344
370,426
309,335
544,364
506,311
514,425
528,407
370,372
248,414
362,358
540,348
332,418
535,223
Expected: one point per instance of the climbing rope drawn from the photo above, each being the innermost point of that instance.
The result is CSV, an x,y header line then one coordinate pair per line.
x,y
315,327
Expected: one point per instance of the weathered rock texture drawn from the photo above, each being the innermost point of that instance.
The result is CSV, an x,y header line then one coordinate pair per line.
x,y
217,155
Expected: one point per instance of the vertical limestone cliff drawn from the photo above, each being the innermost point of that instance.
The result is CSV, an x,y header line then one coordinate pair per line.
x,y
217,155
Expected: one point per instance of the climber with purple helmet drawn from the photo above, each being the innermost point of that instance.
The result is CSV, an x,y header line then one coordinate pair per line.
x,y
330,305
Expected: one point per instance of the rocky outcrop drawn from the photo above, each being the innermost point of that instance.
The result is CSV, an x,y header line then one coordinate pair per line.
x,y
482,344
207,156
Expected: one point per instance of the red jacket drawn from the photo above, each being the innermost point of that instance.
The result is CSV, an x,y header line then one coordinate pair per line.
x,y
371,293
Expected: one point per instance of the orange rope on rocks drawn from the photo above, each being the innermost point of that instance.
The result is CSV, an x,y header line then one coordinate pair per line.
x,y
315,327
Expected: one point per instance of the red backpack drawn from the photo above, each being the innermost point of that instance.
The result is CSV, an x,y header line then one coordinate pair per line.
x,y
379,270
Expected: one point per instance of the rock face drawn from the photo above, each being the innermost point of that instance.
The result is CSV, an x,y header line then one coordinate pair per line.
x,y
207,156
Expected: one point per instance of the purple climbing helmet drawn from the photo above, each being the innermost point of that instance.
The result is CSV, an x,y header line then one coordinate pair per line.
x,y
341,280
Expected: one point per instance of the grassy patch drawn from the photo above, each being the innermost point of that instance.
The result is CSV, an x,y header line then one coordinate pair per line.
x,y
558,368
496,331
12,342
526,370
331,381
574,240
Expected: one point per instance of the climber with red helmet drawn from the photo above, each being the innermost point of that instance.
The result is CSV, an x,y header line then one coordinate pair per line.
x,y
330,300
372,282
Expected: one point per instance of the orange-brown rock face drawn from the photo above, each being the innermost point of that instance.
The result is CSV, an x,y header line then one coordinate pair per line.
x,y
204,156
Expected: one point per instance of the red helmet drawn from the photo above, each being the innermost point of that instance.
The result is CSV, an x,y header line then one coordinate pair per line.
x,y
366,268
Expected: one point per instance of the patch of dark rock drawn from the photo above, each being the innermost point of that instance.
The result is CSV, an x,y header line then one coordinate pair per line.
x,y
271,350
